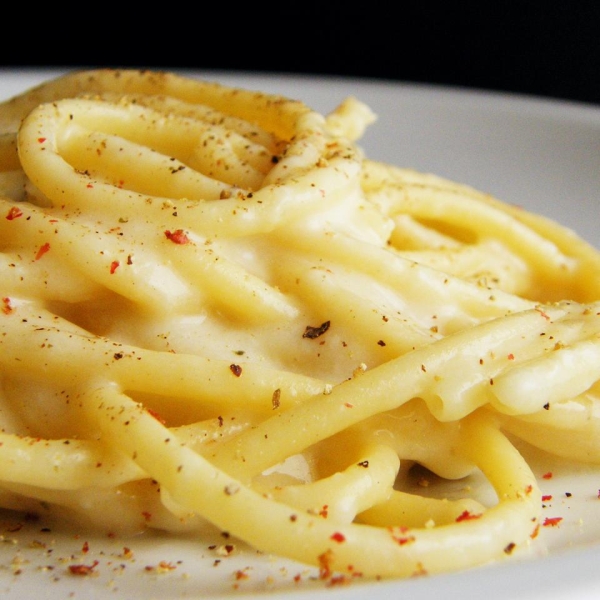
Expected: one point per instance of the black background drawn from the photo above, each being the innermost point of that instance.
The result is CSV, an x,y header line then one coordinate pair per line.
x,y
541,48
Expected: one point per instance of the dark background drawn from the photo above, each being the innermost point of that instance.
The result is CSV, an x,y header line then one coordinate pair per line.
x,y
546,49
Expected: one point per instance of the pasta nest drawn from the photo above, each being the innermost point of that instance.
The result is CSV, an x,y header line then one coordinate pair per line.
x,y
219,314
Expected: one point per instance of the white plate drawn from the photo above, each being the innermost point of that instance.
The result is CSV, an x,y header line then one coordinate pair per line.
x,y
541,154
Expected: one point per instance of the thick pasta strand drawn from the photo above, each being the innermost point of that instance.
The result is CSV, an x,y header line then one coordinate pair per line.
x,y
331,545
216,313
549,246
63,183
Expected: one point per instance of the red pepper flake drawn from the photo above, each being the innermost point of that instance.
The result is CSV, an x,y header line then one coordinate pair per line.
x,y
511,356
338,537
89,185
86,547
403,540
240,574
314,332
552,521
43,249
7,307
177,237
547,497
83,569
114,265
41,140
235,369
14,213
351,569
545,315
547,475
325,561
154,414
164,565
147,516
465,515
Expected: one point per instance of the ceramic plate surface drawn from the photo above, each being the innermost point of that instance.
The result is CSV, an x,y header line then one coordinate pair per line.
x,y
543,155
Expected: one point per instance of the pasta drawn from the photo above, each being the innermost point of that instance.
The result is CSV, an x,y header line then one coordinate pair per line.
x,y
217,312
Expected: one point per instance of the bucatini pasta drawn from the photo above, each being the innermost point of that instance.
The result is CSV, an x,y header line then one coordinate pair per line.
x,y
215,309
